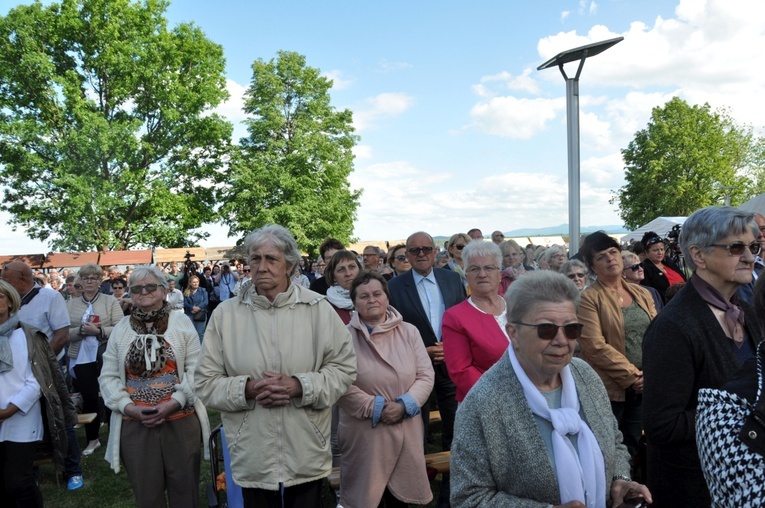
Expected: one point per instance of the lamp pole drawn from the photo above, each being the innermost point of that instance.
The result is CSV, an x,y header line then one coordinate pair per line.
x,y
572,122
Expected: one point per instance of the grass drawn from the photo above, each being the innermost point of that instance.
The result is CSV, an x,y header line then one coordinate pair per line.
x,y
105,488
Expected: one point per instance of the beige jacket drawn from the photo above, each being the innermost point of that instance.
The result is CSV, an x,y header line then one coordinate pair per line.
x,y
602,340
184,340
299,335
109,313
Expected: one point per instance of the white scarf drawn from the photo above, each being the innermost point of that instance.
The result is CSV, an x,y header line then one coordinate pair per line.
x,y
589,486
339,297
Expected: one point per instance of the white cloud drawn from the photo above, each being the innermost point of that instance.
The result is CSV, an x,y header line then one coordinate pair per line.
x,y
522,83
233,108
593,8
362,152
515,118
338,81
380,107
388,66
564,16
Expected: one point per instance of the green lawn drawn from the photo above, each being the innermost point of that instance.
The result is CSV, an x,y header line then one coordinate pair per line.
x,y
105,488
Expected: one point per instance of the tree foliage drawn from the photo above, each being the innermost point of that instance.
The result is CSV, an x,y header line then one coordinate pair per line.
x,y
106,135
292,169
688,157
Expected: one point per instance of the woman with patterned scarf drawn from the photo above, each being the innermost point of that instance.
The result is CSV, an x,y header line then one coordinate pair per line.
x,y
147,380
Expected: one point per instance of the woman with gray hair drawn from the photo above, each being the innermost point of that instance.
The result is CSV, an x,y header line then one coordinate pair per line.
x,y
92,316
576,271
474,331
275,358
700,340
157,425
555,256
537,429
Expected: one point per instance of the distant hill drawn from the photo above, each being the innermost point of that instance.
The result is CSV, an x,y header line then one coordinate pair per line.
x,y
563,230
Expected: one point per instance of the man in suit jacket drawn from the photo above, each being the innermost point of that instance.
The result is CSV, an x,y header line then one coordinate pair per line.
x,y
422,295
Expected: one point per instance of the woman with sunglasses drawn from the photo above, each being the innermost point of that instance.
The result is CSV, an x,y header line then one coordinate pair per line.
x,y
576,271
700,340
615,316
454,246
157,424
634,273
92,316
660,272
397,259
537,428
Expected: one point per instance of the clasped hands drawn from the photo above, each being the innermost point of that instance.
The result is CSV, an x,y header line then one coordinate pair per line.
x,y
164,409
274,390
393,412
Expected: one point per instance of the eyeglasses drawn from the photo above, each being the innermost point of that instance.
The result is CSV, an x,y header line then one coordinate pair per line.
x,y
558,256
653,240
150,288
576,275
77,286
400,257
548,331
118,287
459,246
368,255
737,249
246,271
90,279
634,268
415,251
475,270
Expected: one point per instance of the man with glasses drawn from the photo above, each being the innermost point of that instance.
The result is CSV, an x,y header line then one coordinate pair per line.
x,y
422,295
45,309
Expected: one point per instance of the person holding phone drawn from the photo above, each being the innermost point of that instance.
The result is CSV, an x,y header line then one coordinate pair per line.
x,y
157,425
93,316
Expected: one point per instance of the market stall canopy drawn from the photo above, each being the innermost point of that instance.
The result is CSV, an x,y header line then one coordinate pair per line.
x,y
125,257
660,225
756,204
33,260
69,259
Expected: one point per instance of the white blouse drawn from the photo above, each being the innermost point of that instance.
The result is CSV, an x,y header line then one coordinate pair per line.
x,y
19,387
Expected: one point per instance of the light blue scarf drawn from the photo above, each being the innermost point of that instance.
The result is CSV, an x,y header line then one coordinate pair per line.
x,y
6,355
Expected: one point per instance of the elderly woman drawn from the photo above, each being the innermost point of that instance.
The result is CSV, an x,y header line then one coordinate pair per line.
x,y
195,302
274,360
615,315
341,269
454,246
397,259
377,412
660,273
473,331
157,424
555,256
540,258
700,340
93,316
634,273
516,429
30,386
576,271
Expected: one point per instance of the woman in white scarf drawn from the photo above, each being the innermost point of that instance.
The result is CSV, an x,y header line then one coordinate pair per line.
x,y
538,427
341,269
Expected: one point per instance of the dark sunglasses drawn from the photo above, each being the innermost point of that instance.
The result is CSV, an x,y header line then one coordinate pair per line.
x,y
548,331
118,287
653,240
150,288
415,251
576,275
737,249
77,286
634,267
459,246
401,258
246,271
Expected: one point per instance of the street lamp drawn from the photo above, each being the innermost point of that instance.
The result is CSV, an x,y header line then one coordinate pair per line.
x,y
572,122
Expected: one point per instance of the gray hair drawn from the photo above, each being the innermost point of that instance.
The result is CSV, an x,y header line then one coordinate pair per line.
x,y
478,249
142,271
280,237
570,264
552,250
443,255
91,270
710,225
539,286
628,255
512,243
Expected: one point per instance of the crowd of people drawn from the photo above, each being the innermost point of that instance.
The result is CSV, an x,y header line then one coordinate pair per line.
x,y
559,380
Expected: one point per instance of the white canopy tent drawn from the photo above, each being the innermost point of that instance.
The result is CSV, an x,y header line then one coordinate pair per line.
x,y
660,225
756,204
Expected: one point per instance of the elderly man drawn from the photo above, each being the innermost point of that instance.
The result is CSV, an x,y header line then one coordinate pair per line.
x,y
475,234
498,237
106,286
275,358
45,309
422,295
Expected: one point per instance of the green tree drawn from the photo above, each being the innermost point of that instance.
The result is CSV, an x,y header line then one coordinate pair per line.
x,y
688,157
293,167
107,140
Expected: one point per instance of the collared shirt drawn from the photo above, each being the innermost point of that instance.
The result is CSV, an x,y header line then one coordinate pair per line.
x,y
47,312
432,300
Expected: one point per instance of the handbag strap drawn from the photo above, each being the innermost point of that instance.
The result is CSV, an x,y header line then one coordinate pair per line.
x,y
759,406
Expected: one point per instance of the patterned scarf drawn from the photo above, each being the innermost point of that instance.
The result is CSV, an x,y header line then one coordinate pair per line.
x,y
6,355
146,355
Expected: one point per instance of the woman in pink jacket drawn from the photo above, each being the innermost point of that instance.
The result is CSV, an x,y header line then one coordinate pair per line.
x,y
381,435
473,332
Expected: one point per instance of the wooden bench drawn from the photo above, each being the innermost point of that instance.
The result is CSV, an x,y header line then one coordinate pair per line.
x,y
44,452
435,463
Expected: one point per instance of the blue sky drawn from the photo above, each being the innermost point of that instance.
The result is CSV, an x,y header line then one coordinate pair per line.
x,y
457,127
